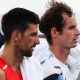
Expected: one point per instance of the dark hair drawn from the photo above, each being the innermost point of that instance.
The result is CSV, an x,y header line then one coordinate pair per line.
x,y
17,18
53,18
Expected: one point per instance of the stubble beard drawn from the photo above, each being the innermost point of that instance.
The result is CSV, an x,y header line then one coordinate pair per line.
x,y
26,53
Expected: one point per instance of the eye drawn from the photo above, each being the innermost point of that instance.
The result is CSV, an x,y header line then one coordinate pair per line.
x,y
34,34
72,27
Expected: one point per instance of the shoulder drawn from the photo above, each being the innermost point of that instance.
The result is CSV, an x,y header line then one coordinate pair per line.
x,y
51,72
2,75
51,69
35,62
34,67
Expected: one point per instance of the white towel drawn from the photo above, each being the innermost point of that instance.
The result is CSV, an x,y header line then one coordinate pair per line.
x,y
30,68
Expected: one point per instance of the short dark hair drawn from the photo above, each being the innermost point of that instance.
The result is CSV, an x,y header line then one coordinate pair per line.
x,y
17,18
53,18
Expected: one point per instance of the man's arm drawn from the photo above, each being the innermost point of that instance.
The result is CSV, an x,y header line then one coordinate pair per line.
x,y
2,75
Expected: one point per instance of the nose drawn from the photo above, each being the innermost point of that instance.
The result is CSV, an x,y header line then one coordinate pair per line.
x,y
77,32
36,40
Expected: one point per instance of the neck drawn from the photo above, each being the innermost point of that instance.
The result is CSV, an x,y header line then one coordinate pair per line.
x,y
11,59
60,53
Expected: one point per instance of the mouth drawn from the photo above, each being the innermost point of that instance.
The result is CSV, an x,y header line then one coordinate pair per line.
x,y
32,48
75,40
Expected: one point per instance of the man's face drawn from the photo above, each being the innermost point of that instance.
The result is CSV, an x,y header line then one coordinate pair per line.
x,y
70,33
28,40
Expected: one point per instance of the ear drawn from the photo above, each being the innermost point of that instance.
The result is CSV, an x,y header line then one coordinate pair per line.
x,y
16,35
54,32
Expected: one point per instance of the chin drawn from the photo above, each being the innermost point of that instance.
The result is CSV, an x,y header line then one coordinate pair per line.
x,y
74,45
29,54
